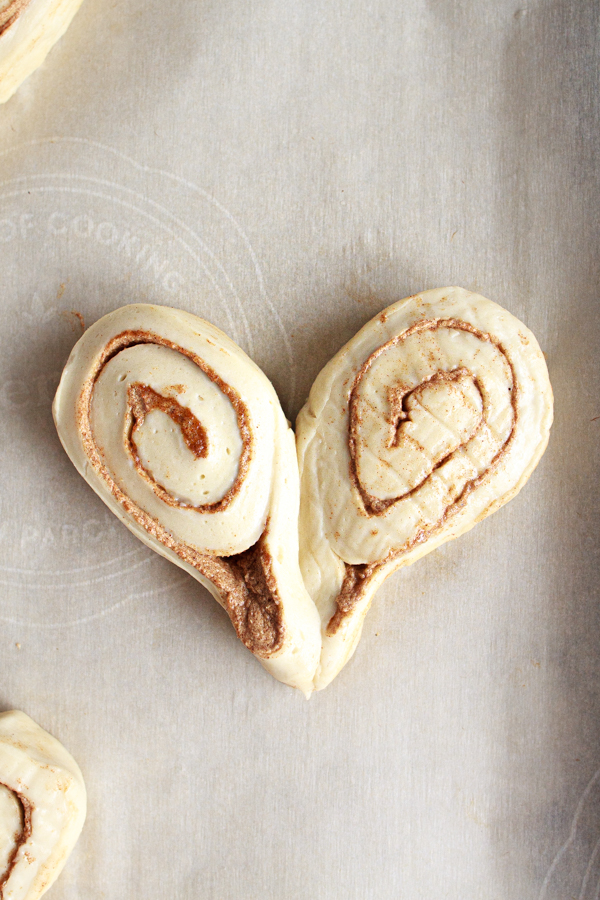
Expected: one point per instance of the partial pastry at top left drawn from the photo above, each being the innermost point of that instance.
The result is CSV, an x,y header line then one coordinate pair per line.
x,y
28,31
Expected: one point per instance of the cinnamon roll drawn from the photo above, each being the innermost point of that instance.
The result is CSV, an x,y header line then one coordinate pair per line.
x,y
183,437
28,31
432,417
42,807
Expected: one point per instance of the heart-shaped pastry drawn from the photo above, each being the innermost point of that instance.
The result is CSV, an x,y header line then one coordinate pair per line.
x,y
42,807
433,416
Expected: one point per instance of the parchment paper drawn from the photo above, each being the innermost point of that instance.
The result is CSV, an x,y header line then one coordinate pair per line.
x,y
287,170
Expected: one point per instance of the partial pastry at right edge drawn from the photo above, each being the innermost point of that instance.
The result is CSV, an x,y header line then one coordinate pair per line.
x,y
432,417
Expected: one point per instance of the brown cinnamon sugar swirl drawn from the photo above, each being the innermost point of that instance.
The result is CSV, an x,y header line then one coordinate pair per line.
x,y
10,11
184,439
42,807
431,418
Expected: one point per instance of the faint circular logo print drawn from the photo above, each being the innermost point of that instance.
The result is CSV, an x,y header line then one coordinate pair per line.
x,y
575,869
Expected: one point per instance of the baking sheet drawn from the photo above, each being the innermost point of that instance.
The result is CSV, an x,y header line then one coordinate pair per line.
x,y
287,170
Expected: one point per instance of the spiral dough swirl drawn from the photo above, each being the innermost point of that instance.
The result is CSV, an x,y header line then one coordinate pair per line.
x,y
431,417
184,438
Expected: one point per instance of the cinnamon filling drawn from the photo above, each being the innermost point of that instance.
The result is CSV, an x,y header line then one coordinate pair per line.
x,y
356,577
11,12
21,836
132,339
354,585
399,417
244,581
258,619
143,399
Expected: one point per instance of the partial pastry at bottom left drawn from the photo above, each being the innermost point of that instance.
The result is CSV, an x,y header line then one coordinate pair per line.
x,y
42,807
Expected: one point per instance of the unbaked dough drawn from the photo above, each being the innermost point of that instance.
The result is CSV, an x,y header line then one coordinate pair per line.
x,y
28,31
183,437
433,416
42,807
